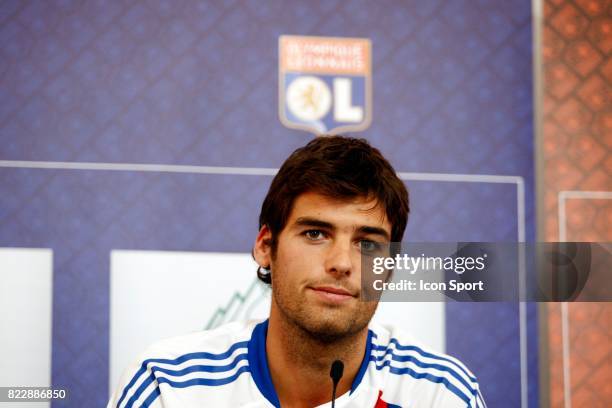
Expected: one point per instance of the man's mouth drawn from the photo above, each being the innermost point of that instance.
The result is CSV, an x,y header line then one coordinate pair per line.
x,y
333,293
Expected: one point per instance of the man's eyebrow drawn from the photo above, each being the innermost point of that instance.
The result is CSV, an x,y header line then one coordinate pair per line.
x,y
314,222
375,231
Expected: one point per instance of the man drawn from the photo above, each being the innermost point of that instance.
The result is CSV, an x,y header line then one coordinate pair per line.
x,y
331,201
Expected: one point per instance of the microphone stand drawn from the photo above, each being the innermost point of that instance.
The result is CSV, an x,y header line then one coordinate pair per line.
x,y
337,369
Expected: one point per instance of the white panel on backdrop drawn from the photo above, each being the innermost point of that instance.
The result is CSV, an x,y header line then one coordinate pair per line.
x,y
160,294
26,292
425,321
157,294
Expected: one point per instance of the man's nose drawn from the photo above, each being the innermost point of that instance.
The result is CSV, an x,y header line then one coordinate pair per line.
x,y
338,261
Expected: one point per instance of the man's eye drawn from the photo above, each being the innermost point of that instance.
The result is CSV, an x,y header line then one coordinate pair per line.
x,y
314,235
369,246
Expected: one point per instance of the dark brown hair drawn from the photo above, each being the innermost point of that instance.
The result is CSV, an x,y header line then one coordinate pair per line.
x,y
339,167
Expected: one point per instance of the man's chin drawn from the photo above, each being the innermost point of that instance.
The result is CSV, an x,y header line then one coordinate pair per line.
x,y
330,331
327,336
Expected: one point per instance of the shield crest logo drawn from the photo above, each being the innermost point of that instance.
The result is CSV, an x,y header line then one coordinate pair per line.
x,y
325,83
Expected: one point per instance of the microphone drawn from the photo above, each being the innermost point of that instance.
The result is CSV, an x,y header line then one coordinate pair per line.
x,y
337,369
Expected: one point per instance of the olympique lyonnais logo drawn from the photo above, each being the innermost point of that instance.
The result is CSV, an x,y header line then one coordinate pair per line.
x,y
325,83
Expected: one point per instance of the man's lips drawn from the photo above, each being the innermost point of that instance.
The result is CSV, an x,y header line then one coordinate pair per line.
x,y
333,293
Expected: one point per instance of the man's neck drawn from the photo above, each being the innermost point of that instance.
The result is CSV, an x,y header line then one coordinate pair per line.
x,y
300,364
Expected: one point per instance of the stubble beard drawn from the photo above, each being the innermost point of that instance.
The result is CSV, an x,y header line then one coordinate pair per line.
x,y
322,325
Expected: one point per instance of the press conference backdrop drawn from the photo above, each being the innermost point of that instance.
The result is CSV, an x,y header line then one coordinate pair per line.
x,y
99,260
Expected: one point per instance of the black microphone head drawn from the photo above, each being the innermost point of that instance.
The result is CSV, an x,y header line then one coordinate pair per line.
x,y
337,369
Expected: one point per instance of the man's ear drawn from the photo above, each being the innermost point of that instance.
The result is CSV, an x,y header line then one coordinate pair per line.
x,y
262,250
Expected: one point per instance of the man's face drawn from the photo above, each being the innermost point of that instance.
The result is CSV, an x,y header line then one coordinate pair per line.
x,y
316,271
